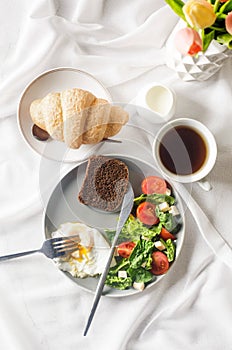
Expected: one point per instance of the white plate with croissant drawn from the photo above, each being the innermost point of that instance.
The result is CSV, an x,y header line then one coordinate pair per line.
x,y
65,113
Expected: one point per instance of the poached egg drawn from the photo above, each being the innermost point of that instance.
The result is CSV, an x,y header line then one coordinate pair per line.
x,y
92,250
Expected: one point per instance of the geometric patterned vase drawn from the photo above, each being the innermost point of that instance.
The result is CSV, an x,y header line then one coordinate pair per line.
x,y
200,67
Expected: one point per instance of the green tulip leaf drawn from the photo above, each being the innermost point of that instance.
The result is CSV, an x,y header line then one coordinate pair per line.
x,y
177,6
226,7
221,16
206,39
225,39
216,5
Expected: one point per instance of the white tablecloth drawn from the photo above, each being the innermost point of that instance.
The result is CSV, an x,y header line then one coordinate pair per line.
x,y
122,44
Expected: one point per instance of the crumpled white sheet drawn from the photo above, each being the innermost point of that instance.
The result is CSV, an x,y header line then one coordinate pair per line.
x,y
122,44
104,39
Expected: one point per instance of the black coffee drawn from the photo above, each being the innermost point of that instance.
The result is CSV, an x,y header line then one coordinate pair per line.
x,y
182,150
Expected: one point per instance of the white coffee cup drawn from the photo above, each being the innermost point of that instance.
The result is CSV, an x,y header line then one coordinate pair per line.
x,y
156,103
185,150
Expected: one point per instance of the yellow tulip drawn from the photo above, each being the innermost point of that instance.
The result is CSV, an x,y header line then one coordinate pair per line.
x,y
199,13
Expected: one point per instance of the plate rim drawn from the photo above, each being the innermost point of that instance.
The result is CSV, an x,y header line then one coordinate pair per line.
x,y
33,81
180,205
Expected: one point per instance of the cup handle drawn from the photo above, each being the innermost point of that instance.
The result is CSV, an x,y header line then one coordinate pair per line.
x,y
204,184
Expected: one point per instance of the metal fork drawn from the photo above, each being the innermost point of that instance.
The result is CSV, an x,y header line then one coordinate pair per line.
x,y
52,248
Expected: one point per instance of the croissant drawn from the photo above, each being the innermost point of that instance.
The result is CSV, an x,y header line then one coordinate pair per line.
x,y
77,117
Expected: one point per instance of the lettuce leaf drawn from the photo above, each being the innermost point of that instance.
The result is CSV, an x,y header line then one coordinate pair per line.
x,y
166,219
136,266
133,230
154,198
140,275
141,254
170,249
118,282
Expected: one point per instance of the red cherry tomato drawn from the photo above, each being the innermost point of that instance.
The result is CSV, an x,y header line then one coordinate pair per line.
x,y
125,248
146,213
154,184
160,264
165,234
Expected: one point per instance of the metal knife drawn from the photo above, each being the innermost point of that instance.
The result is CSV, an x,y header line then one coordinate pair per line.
x,y
126,208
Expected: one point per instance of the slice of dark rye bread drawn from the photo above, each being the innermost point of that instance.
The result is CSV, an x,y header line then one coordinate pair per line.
x,y
105,183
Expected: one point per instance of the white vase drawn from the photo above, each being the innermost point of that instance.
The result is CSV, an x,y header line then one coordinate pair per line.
x,y
200,67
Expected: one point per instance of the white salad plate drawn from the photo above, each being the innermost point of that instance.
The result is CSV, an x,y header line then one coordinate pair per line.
x,y
56,80
63,206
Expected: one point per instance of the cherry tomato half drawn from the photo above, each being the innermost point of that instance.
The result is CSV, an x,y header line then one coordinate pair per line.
x,y
125,248
160,264
165,234
146,213
154,184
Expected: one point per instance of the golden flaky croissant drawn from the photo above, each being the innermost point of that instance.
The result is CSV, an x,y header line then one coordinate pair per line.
x,y
77,117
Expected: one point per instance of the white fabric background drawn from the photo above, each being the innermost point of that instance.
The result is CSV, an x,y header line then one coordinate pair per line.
x,y
122,44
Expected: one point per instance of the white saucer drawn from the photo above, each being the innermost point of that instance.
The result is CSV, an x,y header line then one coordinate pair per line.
x,y
57,80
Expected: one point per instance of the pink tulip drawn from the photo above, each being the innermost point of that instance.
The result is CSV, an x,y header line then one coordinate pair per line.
x,y
224,0
188,41
229,23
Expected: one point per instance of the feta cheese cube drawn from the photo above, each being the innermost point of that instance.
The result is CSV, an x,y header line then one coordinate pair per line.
x,y
116,252
122,274
145,238
164,206
173,210
159,245
139,285
168,192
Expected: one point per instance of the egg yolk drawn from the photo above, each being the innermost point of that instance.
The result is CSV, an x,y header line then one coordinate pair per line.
x,y
83,253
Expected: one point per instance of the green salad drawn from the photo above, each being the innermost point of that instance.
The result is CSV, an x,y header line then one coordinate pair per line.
x,y
147,243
